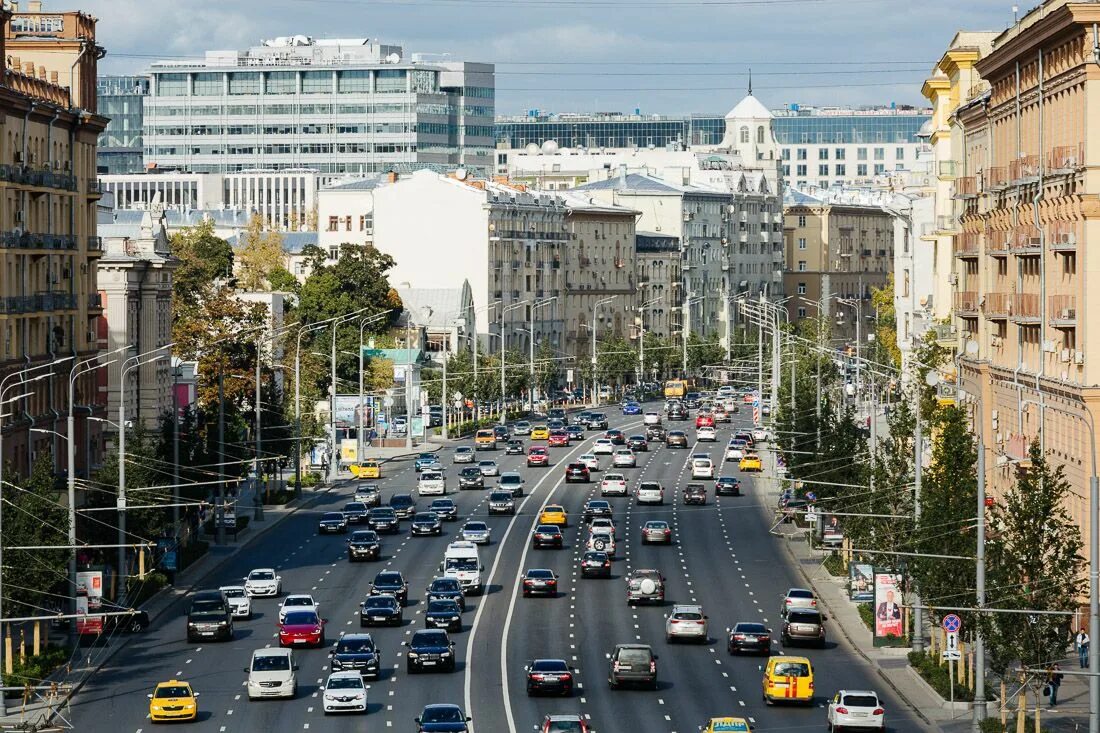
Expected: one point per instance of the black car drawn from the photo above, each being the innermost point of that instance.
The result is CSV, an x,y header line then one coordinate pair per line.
x,y
502,502
595,564
471,478
364,545
616,436
596,508
426,524
430,649
749,637
576,472
547,535
502,433
549,676
514,448
391,582
655,432
638,443
383,519
727,486
575,433
695,494
676,439
357,652
677,412
446,589
445,509
332,523
597,421
378,610
442,718
403,505
692,400
539,582
355,512
443,614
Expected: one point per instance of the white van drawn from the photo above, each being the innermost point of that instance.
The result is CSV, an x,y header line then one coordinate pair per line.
x,y
702,468
461,562
272,674
432,483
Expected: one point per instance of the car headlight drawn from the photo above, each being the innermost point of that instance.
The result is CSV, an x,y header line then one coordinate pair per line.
x,y
445,654
413,655
155,708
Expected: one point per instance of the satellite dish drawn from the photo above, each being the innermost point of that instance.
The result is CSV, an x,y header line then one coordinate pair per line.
x,y
532,148
393,58
461,174
550,147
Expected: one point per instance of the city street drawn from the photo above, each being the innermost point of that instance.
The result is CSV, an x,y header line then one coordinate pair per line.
x,y
723,558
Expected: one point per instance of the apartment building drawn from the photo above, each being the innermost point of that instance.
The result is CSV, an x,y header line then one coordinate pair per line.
x,y
50,306
120,99
1025,201
660,279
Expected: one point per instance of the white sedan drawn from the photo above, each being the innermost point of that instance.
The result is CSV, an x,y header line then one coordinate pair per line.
x,y
735,453
603,447
613,484
489,468
296,602
760,435
590,460
345,693
705,433
263,582
856,709
624,458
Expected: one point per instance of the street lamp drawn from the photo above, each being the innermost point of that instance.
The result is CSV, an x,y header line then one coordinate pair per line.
x,y
595,382
334,454
477,346
531,344
641,335
503,312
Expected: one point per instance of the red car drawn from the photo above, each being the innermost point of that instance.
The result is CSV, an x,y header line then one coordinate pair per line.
x,y
558,439
302,628
538,456
704,421
576,472
564,724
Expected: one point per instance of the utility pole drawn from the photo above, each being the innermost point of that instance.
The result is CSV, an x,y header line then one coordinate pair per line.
x,y
979,586
175,453
760,351
774,402
790,344
918,457
817,361
258,499
219,508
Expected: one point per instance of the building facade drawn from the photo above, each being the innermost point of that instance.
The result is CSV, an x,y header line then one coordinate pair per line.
x,y
120,99
348,105
660,283
50,306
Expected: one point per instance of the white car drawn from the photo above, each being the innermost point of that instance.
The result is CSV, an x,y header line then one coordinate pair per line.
x,y
239,602
705,433
271,674
296,602
344,693
652,418
686,623
601,543
489,468
263,582
602,525
464,454
735,452
521,428
856,709
702,468
624,458
603,447
613,484
650,492
591,460
431,483
760,435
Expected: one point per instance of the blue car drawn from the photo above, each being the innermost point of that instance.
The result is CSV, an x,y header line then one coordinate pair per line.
x,y
425,460
632,408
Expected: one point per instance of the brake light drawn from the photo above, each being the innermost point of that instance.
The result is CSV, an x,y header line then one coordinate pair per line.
x,y
652,666
788,601
527,582
842,711
567,677
739,637
551,582
537,677
879,711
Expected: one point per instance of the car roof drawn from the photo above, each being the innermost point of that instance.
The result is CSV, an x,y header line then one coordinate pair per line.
x,y
787,658
640,647
173,682
270,652
687,608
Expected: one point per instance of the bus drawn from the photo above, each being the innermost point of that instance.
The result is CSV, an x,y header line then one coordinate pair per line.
x,y
675,389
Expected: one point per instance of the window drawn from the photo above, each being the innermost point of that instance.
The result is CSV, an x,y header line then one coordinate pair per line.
x,y
786,171
861,170
355,80
802,153
839,154
861,153
316,82
802,265
390,81
905,283
760,135
208,85
822,153
333,223
880,153
802,243
880,168
841,170
802,288
786,153
801,312
899,153
281,82
172,85
801,220
800,170
744,134
823,169
244,82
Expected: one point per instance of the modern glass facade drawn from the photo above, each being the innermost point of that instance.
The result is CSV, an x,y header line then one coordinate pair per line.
x,y
120,146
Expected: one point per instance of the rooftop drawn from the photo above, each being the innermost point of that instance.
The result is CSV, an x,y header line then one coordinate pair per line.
x,y
644,183
445,304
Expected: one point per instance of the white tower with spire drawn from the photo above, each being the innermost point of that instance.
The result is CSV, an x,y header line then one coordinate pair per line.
x,y
749,131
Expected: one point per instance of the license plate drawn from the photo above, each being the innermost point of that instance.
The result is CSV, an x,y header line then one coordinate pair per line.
x,y
377,618
428,663
207,633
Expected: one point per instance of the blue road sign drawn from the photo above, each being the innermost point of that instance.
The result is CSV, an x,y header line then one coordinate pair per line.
x,y
952,623
811,496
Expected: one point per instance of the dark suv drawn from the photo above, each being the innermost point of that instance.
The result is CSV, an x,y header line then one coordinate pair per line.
x,y
390,582
806,625
357,652
403,505
430,649
695,494
597,421
446,589
384,519
655,433
364,545
576,472
632,664
381,609
209,617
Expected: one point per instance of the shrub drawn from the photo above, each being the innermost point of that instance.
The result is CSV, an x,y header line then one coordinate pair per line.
x,y
139,590
311,479
938,677
836,566
867,614
280,497
34,670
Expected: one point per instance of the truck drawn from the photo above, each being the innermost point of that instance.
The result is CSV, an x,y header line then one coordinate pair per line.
x,y
461,562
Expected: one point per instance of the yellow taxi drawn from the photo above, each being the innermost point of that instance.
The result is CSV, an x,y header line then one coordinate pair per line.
x,y
750,462
173,700
721,725
554,514
788,679
540,432
367,469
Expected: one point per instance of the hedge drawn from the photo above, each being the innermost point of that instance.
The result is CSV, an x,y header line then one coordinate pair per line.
x,y
139,590
35,669
280,497
938,677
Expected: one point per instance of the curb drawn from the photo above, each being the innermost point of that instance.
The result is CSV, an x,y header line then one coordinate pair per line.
x,y
959,705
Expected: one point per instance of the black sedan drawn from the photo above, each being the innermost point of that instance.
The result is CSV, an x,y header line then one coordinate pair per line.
x,y
383,519
594,508
391,582
381,610
676,439
445,509
364,545
637,443
514,448
595,564
575,433
547,535
471,478
430,649
446,589
403,505
749,637
727,486
549,677
442,718
540,582
332,523
425,524
357,652
355,512
443,614
695,494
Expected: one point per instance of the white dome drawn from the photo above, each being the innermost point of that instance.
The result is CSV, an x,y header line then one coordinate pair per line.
x,y
749,108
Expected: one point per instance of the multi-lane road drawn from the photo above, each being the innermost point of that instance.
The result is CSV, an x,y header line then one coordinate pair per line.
x,y
724,559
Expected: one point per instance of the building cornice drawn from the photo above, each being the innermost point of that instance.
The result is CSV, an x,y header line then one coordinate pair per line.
x,y
1009,47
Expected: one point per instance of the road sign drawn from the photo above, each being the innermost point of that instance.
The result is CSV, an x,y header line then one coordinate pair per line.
x,y
811,496
952,623
951,649
811,515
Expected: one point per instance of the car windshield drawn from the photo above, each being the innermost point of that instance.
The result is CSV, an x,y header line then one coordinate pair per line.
x,y
234,592
656,525
860,701
261,575
446,585
598,505
507,479
401,500
429,638
298,601
431,476
355,646
614,477
549,665
425,517
442,715
460,563
382,513
540,574
355,506
791,669
564,726
547,529
687,616
301,618
271,663
388,579
442,607
804,617
553,509
499,496
207,608
471,472
649,486
364,537
381,602
444,504
634,656
345,683
172,691
464,449
595,556
475,527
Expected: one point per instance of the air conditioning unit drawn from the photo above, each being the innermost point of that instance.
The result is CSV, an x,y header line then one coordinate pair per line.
x,y
1049,346
1065,355
1002,460
1078,357
954,278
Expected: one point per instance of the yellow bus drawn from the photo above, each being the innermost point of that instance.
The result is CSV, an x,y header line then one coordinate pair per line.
x,y
675,388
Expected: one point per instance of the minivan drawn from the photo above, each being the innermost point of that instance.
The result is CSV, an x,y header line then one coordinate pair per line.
x,y
271,674
210,617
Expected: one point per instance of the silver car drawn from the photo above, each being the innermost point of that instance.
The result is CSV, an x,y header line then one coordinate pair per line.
x,y
686,623
464,454
797,598
624,458
645,585
476,532
656,531
489,468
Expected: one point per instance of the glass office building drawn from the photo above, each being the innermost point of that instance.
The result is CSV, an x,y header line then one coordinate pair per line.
x,y
121,98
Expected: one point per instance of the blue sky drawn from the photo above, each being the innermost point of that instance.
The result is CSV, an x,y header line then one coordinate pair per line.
x,y
660,56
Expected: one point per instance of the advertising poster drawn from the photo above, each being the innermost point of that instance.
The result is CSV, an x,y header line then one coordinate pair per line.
x,y
349,450
89,599
888,613
861,583
349,408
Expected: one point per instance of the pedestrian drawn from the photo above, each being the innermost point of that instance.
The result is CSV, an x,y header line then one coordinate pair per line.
x,y
1054,681
1082,644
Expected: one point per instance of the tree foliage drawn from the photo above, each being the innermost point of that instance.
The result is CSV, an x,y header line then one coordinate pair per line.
x,y
34,516
203,258
890,496
260,254
702,352
885,348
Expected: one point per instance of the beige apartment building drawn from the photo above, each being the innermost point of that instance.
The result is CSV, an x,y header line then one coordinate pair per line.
x,y
840,245
50,308
1027,192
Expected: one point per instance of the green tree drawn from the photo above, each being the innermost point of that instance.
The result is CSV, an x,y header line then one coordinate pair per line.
x,y
281,280
703,352
34,516
548,369
203,257
143,472
1035,563
660,356
616,361
885,348
260,254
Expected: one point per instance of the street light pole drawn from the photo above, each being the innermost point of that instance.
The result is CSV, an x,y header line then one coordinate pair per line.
x,y
595,381
531,345
298,403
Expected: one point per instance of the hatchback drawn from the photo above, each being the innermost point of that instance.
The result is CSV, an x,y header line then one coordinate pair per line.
x,y
624,458
613,484
464,454
695,494
511,482
686,623
650,492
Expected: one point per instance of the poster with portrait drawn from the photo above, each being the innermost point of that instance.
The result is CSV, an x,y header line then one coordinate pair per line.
x,y
887,604
861,582
89,599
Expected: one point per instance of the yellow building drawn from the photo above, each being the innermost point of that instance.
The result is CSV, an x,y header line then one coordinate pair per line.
x,y
49,304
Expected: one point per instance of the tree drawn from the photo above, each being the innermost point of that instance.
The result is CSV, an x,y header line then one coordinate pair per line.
x,y
203,257
703,352
548,371
143,471
885,348
660,356
260,254
281,280
616,361
1035,564
34,516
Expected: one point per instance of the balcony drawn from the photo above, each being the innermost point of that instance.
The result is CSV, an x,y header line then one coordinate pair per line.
x,y
947,224
35,240
1062,236
968,244
998,306
95,302
1026,241
944,333
966,187
966,303
585,261
1024,169
94,187
37,303
947,169
997,178
95,244
1025,308
997,243
1062,310
1066,158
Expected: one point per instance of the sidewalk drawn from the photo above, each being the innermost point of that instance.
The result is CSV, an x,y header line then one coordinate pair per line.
x,y
40,713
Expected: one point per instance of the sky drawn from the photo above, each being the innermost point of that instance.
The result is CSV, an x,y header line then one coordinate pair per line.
x,y
657,56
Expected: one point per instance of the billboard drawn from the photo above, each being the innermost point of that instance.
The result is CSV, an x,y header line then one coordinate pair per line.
x,y
348,409
888,613
89,600
861,583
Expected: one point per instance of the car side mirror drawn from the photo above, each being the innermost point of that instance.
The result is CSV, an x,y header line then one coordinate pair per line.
x,y
468,718
655,657
150,696
404,643
246,671
331,654
706,618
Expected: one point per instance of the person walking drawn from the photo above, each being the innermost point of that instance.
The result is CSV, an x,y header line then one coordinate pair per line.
x,y
1082,643
1054,681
